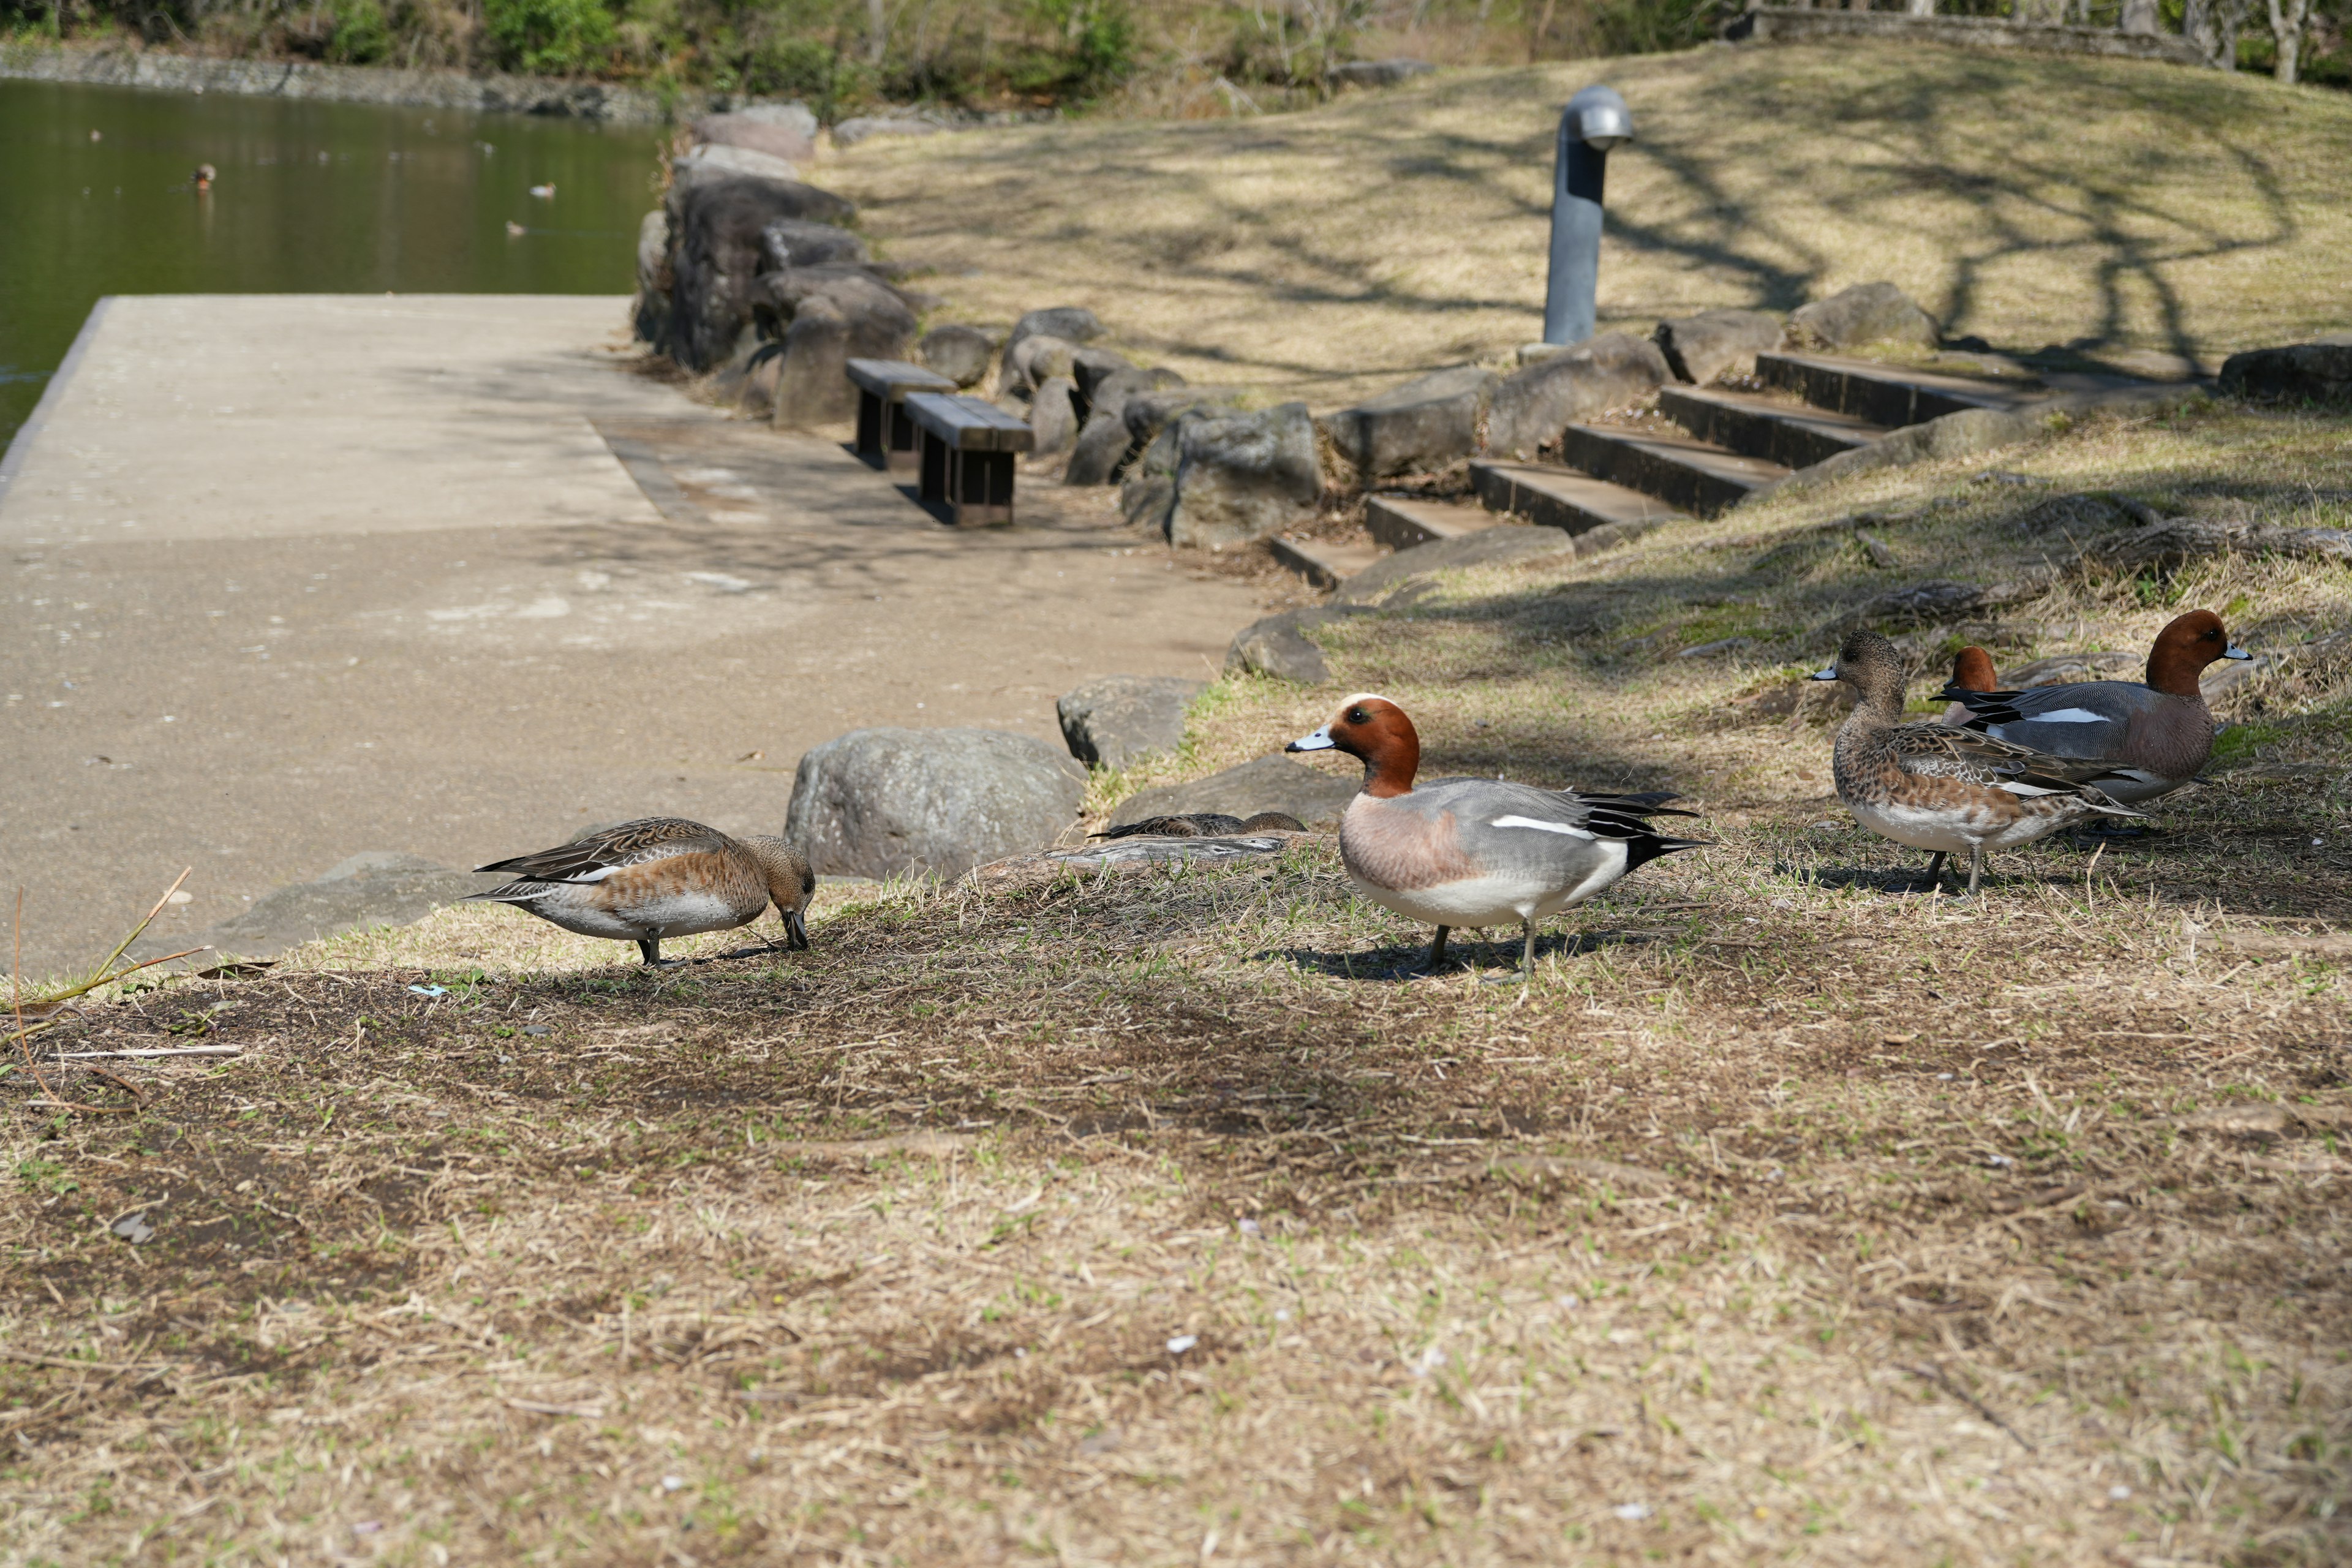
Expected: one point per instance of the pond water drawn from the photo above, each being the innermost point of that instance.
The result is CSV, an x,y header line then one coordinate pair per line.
x,y
310,198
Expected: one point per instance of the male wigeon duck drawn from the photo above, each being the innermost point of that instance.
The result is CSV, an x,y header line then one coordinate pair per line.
x,y
1936,788
203,177
657,877
1476,852
1973,670
1206,825
2153,738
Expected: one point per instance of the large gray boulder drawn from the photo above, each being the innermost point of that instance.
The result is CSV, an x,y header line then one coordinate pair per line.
x,y
1053,418
1713,344
1040,357
1071,323
2300,372
1425,423
381,887
1865,314
1277,645
718,160
1534,404
759,134
866,127
1122,719
1242,476
797,242
880,803
959,352
718,251
1270,783
833,314
650,314
1090,367
1105,442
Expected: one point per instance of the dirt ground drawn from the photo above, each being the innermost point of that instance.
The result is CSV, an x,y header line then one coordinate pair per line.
x,y
2032,200
1792,1214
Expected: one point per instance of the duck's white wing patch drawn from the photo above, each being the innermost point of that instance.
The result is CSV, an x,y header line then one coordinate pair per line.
x,y
2069,716
1540,826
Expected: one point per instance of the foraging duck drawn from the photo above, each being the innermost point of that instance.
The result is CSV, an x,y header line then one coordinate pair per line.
x,y
1205,824
656,878
2153,738
1937,788
544,193
203,178
1476,852
1973,670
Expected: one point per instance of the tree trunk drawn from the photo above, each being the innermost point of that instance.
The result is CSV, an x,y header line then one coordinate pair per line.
x,y
877,33
1920,8
2140,18
2286,27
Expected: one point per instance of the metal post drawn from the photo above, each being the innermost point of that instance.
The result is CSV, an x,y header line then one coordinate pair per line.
x,y
1594,121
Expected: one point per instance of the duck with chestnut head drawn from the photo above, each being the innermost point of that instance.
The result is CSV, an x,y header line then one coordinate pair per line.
x,y
2152,738
1948,791
1476,852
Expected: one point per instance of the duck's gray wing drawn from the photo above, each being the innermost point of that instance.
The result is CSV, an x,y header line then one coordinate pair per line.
x,y
2081,719
600,853
1554,834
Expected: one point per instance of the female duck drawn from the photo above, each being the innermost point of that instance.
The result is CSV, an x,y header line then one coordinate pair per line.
x,y
2153,738
1934,788
1476,852
657,877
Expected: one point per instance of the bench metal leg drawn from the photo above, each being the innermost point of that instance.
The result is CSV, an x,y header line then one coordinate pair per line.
x,y
903,439
873,427
983,488
933,471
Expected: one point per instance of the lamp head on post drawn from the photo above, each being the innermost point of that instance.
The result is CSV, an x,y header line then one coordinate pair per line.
x,y
1595,122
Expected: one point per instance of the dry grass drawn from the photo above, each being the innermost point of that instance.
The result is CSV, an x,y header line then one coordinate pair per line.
x,y
1326,254
1166,1216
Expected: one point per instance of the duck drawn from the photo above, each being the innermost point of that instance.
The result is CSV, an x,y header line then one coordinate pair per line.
x,y
1973,670
203,177
1942,789
515,230
1205,824
658,877
544,193
1476,852
2152,737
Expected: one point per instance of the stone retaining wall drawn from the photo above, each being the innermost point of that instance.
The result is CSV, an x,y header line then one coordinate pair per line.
x,y
1790,24
351,84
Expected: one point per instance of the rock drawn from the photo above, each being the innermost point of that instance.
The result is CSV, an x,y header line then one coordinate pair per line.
x,y
1270,783
1040,357
718,160
1241,477
1105,443
794,116
1378,73
1071,323
1865,313
880,803
959,352
1705,348
836,315
2300,372
1121,719
758,133
1144,500
650,314
718,253
1534,404
1148,413
1963,433
1425,423
797,242
866,127
381,888
1277,645
1487,547
1090,367
1053,418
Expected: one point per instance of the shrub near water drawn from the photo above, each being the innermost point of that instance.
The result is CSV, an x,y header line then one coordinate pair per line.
x,y
555,37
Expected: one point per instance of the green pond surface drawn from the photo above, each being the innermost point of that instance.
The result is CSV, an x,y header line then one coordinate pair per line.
x,y
97,197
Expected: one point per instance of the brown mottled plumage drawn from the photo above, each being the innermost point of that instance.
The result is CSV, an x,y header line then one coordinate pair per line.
x,y
1205,824
659,876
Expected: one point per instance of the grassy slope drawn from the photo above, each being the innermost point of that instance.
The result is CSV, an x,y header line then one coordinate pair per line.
x,y
1787,1208
2030,200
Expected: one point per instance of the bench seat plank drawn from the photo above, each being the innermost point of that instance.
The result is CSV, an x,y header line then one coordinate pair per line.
x,y
968,424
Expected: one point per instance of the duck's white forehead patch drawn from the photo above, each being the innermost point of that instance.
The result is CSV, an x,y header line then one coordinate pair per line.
x,y
1366,697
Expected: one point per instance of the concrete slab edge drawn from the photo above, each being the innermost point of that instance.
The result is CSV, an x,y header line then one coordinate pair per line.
x,y
51,394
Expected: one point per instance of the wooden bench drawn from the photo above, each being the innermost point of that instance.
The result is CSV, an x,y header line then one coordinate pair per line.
x,y
885,437
967,452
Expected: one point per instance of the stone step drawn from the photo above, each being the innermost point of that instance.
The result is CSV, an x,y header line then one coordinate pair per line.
x,y
1798,435
1690,474
1322,562
1553,496
1883,393
1402,521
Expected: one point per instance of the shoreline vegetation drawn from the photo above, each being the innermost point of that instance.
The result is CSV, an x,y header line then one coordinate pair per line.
x,y
657,60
